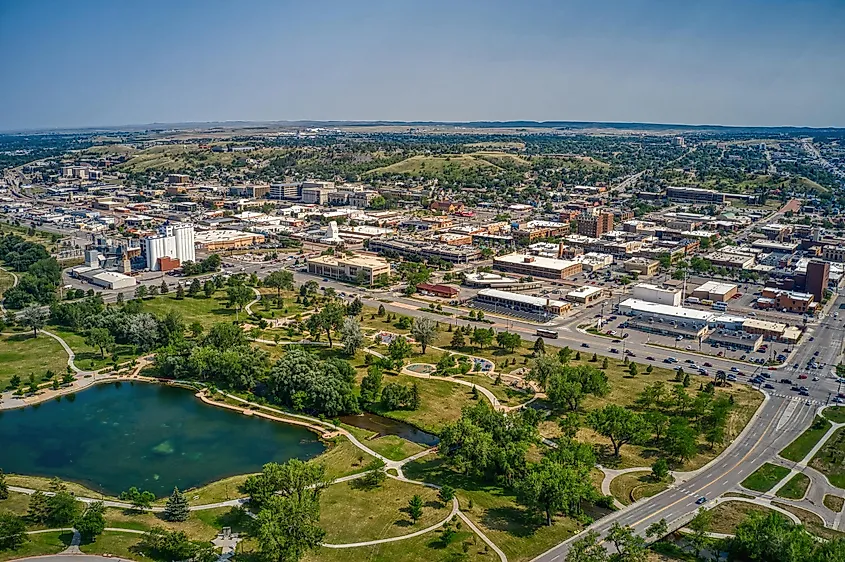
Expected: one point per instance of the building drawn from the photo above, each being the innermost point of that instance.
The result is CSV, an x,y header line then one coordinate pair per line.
x,y
731,259
176,242
716,291
159,247
362,198
427,250
178,179
537,266
364,270
317,195
505,301
769,330
106,279
585,294
251,191
687,318
593,261
438,290
446,206
694,195
493,281
642,266
818,276
735,340
653,293
834,253
791,301
594,225
536,230
213,240
292,191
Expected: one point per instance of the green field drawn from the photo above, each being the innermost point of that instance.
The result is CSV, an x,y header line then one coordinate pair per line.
x,y
801,447
795,488
727,515
206,311
764,478
830,460
22,355
634,486
39,545
87,357
836,414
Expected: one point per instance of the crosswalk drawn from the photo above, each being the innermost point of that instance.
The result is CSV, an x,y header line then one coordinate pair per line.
x,y
804,399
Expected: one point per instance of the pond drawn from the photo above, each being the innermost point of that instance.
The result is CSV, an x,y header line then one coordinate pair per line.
x,y
114,436
387,426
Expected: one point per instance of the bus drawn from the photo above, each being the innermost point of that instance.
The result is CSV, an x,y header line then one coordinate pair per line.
x,y
720,306
547,333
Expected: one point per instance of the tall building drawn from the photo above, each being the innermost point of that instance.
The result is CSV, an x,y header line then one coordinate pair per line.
x,y
175,243
185,247
594,226
818,273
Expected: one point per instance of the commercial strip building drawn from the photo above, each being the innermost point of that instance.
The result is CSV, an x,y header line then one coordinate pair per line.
x,y
494,281
537,266
653,293
213,240
694,195
101,278
438,290
505,301
716,291
585,294
427,250
358,268
642,266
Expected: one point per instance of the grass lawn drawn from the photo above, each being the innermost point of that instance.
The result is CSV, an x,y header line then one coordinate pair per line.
x,y
6,281
343,458
39,545
834,503
441,403
495,510
391,446
22,355
836,414
117,544
206,311
351,514
800,448
633,486
424,547
830,460
795,488
764,478
201,525
727,515
812,522
88,357
507,395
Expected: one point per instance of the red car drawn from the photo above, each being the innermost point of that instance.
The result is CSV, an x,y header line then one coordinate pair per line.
x,y
708,364
802,376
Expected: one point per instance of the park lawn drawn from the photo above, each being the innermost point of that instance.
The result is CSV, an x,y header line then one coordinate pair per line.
x,y
43,484
221,490
22,355
633,486
392,447
834,503
520,534
764,478
427,547
206,311
830,461
504,393
88,357
727,515
39,544
804,443
813,523
343,458
7,280
117,544
836,414
349,513
795,488
441,402
201,525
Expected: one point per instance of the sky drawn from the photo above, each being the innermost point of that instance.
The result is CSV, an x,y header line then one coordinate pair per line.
x,y
89,63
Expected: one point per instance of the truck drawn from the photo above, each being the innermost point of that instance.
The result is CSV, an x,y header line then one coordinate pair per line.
x,y
693,300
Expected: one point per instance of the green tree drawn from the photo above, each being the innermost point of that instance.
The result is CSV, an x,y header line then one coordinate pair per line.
x,y
620,425
351,335
92,523
62,509
539,347
239,296
424,330
700,526
294,479
374,475
508,341
415,507
140,499
587,549
163,288
100,338
194,288
565,355
680,441
446,493
550,487
630,547
657,530
279,280
176,508
371,385
660,469
38,510
399,349
458,341
4,487
481,337
287,526
180,292
12,531
208,289
632,369
196,329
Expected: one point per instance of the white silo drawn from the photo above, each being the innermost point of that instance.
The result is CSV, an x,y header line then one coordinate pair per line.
x,y
185,249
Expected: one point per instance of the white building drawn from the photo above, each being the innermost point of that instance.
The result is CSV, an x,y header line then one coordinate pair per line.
x,y
652,293
175,242
185,246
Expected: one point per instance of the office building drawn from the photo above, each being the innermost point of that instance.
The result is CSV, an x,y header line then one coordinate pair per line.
x,y
357,268
292,191
505,301
716,291
537,266
694,195
594,225
818,275
585,295
653,293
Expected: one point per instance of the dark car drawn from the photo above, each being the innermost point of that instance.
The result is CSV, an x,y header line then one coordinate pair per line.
x,y
785,381
650,358
700,500
767,385
614,350
585,345
708,364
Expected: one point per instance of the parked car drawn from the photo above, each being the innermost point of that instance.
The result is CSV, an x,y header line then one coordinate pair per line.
x,y
802,376
767,385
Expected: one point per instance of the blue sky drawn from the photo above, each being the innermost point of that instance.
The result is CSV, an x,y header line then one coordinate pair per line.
x,y
740,62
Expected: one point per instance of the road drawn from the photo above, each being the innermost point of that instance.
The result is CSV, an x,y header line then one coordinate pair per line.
x,y
781,418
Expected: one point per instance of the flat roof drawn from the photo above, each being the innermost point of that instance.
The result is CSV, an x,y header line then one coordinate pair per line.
x,y
537,261
764,325
585,291
652,287
516,297
362,261
666,310
716,287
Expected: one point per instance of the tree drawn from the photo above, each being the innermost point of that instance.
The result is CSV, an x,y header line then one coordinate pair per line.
x,y
680,441
62,509
618,424
176,508
657,530
458,341
140,291
196,329
194,288
424,330
415,507
180,292
163,288
446,493
92,523
329,318
34,317
281,279
771,537
208,289
565,355
355,307
12,531
629,546
700,526
660,469
239,296
38,510
381,310
508,341
301,381
374,476
539,347
152,291
604,363
587,549
161,544
351,335
4,487
371,385
481,337
632,369
396,396
295,478
399,348
550,487
140,499
100,338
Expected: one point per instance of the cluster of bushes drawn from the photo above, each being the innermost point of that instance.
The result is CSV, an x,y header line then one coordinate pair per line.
x,y
41,274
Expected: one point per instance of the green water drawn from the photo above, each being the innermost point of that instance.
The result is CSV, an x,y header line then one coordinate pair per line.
x,y
115,436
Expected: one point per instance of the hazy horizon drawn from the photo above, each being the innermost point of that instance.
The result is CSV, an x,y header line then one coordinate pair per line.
x,y
94,63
